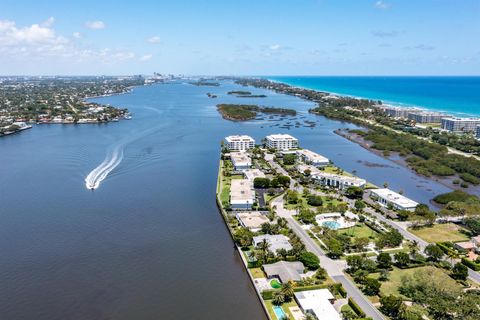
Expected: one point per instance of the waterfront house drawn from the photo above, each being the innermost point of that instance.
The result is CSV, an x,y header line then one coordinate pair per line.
x,y
460,125
241,161
240,142
337,181
252,220
319,303
276,242
389,198
251,174
312,158
284,270
281,142
242,196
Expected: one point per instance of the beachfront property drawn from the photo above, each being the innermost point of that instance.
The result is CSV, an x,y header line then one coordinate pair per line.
x,y
460,125
241,161
477,132
312,158
239,142
426,116
302,168
319,303
398,112
281,142
242,196
335,220
337,181
275,241
252,220
284,270
389,198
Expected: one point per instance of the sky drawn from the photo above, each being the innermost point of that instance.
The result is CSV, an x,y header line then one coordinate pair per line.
x,y
242,37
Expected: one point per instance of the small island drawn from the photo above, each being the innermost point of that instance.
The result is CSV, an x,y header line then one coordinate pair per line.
x,y
244,112
245,94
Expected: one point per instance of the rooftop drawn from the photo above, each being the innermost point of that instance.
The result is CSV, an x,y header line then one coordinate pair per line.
x,y
251,174
394,197
280,136
355,180
285,270
241,191
276,241
240,158
252,220
318,302
238,138
313,156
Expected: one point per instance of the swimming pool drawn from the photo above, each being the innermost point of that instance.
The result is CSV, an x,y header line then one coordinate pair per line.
x,y
279,312
334,225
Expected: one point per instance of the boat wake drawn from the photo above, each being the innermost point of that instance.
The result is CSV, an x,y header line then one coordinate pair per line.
x,y
111,161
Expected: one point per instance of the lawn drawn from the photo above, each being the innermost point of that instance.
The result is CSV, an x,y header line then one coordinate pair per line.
x,y
257,273
335,170
303,203
284,306
391,286
360,230
441,232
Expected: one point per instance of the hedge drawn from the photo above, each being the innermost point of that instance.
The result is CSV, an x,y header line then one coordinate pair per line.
x,y
445,248
374,227
268,294
312,287
356,308
471,264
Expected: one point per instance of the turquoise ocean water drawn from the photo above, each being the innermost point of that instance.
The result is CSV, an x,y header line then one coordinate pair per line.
x,y
455,95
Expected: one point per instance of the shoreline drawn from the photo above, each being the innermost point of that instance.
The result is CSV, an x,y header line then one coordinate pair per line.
x,y
384,102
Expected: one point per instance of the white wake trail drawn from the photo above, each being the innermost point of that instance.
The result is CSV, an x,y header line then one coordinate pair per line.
x,y
111,161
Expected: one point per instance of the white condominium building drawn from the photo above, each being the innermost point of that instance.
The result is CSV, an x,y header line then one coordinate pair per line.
x,y
460,124
387,198
314,158
240,143
281,142
242,196
337,181
241,161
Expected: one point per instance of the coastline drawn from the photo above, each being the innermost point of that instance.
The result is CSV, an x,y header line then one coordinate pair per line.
x,y
385,102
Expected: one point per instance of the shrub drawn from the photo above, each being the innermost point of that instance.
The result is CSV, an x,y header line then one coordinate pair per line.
x,y
472,265
456,195
356,308
310,260
314,200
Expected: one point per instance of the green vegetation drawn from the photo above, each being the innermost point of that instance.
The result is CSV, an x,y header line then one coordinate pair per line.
x,y
310,260
441,233
243,112
457,195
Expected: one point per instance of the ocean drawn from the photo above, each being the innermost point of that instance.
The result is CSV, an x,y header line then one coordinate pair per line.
x,y
455,95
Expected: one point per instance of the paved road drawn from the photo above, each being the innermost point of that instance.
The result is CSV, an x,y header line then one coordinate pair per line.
x,y
334,268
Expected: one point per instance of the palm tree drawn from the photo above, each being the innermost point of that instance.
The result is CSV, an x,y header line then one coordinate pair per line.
x,y
288,290
278,298
452,255
264,246
310,316
413,247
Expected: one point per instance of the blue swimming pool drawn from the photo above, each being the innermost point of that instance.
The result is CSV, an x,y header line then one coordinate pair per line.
x,y
334,225
279,312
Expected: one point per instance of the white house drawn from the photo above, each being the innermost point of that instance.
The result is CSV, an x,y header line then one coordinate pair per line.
x,y
319,303
313,158
387,198
251,174
337,181
242,196
241,161
276,241
281,142
240,142
252,220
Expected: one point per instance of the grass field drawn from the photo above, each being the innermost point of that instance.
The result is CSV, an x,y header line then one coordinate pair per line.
x,y
257,273
304,204
441,232
391,286
360,230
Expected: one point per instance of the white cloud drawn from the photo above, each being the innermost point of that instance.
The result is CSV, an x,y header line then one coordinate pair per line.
x,y
77,35
36,34
146,57
381,5
274,47
154,39
95,25
48,23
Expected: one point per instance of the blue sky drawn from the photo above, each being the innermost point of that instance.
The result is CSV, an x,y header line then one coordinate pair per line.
x,y
268,37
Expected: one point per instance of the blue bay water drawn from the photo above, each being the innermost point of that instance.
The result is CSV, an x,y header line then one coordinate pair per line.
x,y
149,243
455,95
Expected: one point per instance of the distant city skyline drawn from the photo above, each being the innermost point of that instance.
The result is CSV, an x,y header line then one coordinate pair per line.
x,y
309,37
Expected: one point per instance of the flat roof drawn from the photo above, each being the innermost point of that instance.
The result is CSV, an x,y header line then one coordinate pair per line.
x,y
461,119
318,301
239,138
240,158
302,167
252,220
340,177
313,156
395,198
281,136
241,191
251,174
